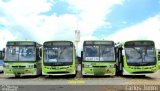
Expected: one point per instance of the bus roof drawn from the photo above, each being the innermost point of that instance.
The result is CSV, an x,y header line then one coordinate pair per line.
x,y
22,41
139,41
99,40
122,44
58,41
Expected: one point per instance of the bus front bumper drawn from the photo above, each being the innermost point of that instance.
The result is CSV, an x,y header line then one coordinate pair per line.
x,y
53,73
89,74
26,74
145,72
21,72
98,72
58,70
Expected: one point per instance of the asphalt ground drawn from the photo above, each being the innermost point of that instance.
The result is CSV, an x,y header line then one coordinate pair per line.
x,y
78,83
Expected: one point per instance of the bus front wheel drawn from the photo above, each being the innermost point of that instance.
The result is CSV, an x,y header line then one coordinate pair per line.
x,y
17,75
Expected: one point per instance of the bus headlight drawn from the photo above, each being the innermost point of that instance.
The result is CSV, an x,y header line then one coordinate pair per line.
x,y
7,66
30,66
112,65
87,65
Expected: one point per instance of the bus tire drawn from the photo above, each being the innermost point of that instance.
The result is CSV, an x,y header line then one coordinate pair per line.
x,y
73,75
17,75
84,76
143,76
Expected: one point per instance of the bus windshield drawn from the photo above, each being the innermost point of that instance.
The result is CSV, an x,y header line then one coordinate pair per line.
x,y
99,53
141,55
58,54
18,53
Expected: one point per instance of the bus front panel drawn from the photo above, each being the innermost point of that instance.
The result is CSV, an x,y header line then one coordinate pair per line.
x,y
21,59
140,58
98,58
58,58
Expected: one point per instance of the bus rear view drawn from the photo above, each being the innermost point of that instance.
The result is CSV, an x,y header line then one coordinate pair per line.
x,y
59,58
98,58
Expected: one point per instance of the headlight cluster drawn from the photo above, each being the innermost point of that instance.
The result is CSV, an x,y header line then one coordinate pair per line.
x,y
7,66
30,66
111,66
87,65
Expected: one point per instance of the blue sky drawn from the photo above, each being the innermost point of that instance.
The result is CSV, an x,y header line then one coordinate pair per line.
x,y
128,14
43,20
59,8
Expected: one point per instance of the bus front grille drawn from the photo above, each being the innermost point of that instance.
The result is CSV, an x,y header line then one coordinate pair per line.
x,y
18,66
57,72
141,72
100,66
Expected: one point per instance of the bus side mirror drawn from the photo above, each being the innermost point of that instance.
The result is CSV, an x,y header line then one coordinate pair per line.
x,y
3,50
81,56
3,53
40,52
77,60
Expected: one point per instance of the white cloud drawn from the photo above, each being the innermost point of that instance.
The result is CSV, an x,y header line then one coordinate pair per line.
x,y
26,7
24,18
148,29
93,13
5,35
54,27
22,14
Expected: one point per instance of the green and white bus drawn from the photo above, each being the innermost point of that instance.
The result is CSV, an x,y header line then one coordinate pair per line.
x,y
59,58
98,58
22,58
137,57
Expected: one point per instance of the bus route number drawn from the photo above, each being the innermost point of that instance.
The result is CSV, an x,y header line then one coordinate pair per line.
x,y
92,58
